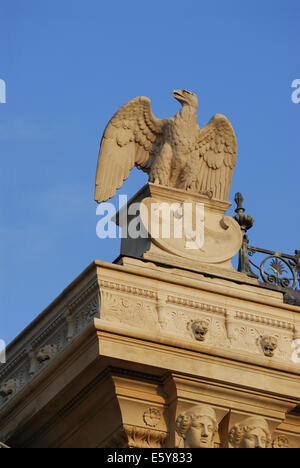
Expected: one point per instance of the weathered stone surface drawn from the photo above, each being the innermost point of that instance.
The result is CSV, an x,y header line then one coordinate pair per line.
x,y
126,353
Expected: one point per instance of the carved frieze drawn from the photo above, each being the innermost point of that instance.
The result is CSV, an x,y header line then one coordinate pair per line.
x,y
91,309
136,437
128,310
209,329
83,295
84,315
260,335
260,340
216,326
141,438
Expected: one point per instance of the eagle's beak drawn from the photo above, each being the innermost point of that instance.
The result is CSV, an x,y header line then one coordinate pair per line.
x,y
177,94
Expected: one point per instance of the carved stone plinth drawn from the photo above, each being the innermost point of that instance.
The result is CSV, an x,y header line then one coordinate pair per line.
x,y
180,228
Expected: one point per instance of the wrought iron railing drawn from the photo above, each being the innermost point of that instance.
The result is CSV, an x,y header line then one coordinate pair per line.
x,y
275,270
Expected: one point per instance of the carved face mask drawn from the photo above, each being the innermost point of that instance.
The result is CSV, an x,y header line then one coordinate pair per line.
x,y
255,438
269,345
200,434
200,329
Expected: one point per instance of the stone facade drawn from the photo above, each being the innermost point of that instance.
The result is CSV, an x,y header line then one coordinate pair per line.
x,y
167,357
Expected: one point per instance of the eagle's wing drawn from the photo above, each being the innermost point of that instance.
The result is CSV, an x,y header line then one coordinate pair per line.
x,y
127,141
217,148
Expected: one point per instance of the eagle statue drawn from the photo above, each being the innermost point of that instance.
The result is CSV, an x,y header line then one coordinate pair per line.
x,y
175,152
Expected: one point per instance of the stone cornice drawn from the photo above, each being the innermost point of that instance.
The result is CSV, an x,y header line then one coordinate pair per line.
x,y
223,287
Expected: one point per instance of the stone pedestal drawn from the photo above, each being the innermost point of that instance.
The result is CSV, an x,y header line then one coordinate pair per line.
x,y
185,229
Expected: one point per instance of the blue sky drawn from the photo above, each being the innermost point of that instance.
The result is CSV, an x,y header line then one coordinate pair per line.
x,y
70,64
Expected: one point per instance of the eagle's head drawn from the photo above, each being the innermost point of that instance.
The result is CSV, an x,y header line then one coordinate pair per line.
x,y
185,97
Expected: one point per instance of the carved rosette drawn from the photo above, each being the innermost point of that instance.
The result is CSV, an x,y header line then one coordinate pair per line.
x,y
152,416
